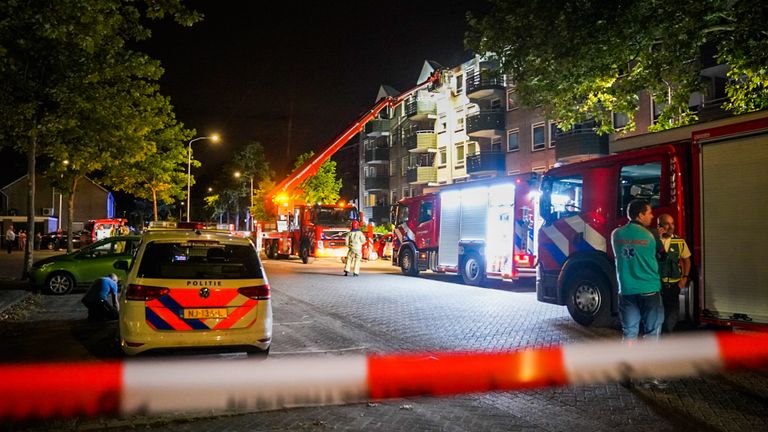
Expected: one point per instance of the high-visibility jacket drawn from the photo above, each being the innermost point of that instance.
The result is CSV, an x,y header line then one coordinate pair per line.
x,y
669,265
355,240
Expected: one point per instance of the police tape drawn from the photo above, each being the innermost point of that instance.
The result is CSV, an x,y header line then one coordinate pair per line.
x,y
173,386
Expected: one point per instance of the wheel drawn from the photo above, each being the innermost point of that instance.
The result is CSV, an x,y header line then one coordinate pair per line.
x,y
588,298
50,245
258,354
304,254
473,270
270,250
408,263
60,283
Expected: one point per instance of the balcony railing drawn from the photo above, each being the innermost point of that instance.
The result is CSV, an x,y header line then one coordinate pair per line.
x,y
421,141
377,154
486,124
422,175
581,140
481,85
420,109
485,162
378,182
378,127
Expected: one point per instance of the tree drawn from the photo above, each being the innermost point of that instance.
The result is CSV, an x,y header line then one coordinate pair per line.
x,y
588,59
323,187
70,86
254,168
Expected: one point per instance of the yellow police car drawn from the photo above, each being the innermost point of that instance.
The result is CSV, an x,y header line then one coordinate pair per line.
x,y
195,288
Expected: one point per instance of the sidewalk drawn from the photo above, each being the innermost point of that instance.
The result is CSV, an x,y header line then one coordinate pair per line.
x,y
12,288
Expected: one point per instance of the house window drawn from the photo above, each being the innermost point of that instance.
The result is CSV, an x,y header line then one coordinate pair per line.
x,y
371,199
620,120
442,124
406,192
471,148
495,103
552,134
538,141
393,167
394,197
404,165
459,84
460,121
496,144
512,100
443,157
459,155
512,140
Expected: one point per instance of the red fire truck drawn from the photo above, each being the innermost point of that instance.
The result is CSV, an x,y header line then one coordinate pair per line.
x,y
480,229
309,230
710,177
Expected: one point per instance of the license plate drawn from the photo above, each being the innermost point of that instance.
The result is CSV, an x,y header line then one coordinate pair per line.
x,y
205,313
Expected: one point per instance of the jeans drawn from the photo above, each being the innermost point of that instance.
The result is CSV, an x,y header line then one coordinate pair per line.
x,y
636,308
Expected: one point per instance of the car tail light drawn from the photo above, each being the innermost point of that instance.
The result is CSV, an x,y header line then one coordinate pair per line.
x,y
523,260
144,292
259,292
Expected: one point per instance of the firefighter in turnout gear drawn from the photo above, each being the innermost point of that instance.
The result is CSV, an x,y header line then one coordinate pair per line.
x,y
355,240
674,269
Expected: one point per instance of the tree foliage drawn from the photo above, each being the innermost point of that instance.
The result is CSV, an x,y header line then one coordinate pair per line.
x,y
588,59
323,187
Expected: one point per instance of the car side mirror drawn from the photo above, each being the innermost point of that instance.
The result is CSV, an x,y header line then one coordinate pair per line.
x,y
121,265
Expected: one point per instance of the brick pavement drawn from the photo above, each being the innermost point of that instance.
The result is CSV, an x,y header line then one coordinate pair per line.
x,y
319,312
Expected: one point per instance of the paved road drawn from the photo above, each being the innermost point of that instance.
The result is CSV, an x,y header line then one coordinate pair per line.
x,y
319,312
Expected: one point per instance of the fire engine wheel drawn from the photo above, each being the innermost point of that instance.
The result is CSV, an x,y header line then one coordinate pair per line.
x,y
271,250
472,270
304,254
408,263
588,298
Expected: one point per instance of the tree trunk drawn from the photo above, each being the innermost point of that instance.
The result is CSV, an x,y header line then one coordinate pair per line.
x,y
154,203
71,213
28,254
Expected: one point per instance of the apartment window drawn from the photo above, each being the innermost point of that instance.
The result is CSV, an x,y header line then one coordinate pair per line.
x,y
552,134
620,120
538,141
406,192
393,167
442,124
404,165
459,155
371,199
512,140
512,100
539,169
495,103
471,148
496,144
460,121
658,108
394,197
459,84
443,157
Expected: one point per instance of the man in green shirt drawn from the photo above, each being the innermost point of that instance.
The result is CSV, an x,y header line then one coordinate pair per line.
x,y
637,270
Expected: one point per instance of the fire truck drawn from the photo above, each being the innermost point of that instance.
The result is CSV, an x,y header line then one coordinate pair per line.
x,y
479,229
318,230
710,177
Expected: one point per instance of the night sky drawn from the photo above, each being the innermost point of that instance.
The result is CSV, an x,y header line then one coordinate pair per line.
x,y
251,66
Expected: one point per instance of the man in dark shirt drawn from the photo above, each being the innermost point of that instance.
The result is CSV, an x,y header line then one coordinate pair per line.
x,y
97,299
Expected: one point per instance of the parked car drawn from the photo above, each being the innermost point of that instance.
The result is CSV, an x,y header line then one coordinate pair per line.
x,y
58,240
384,246
60,274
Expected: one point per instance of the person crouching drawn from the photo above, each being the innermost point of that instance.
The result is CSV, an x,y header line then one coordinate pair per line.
x,y
96,299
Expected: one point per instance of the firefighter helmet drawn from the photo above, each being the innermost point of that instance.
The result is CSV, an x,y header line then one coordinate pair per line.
x,y
355,224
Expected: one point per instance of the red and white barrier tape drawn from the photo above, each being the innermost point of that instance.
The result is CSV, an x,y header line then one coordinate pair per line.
x,y
154,387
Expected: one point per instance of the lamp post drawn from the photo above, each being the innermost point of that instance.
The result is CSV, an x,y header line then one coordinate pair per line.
x,y
249,218
214,138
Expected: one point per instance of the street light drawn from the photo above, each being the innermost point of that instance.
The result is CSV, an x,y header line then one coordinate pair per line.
x,y
215,138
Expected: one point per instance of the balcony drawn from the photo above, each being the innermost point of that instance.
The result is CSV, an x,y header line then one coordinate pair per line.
x,y
486,124
422,175
377,182
486,162
580,141
377,154
419,109
486,84
378,127
421,141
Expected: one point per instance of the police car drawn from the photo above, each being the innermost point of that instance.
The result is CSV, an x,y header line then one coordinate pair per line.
x,y
195,288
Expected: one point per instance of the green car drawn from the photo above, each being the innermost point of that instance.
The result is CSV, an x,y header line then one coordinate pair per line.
x,y
60,274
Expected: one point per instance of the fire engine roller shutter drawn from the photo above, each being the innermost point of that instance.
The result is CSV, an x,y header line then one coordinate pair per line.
x,y
735,234
450,220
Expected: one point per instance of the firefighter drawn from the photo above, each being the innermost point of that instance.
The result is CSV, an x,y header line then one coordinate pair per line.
x,y
355,240
674,268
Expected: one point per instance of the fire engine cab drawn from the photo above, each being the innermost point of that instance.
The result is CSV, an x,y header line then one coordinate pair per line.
x,y
709,177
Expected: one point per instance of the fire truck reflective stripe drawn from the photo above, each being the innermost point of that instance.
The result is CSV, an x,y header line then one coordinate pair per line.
x,y
237,314
56,390
156,387
557,246
591,237
671,356
398,376
154,320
